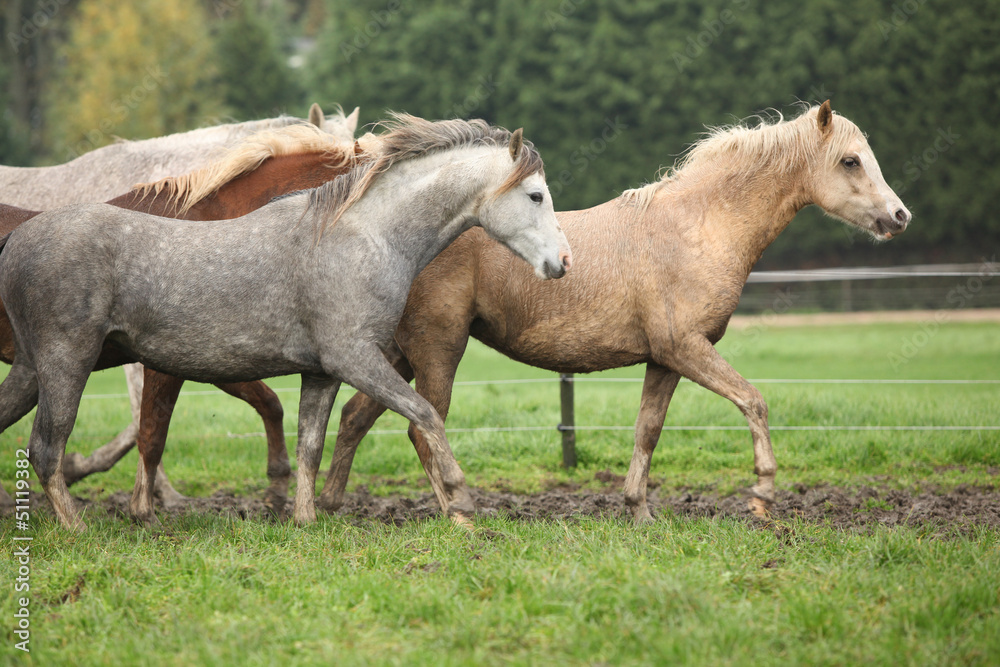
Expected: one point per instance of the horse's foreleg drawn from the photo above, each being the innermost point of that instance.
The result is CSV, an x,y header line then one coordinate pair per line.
x,y
434,364
356,419
76,466
159,396
657,390
699,361
262,399
315,403
371,374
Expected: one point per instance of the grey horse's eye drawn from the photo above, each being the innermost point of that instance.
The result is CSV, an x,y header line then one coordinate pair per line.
x,y
537,197
850,162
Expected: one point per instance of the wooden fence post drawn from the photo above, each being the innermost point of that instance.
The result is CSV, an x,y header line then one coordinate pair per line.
x,y
568,424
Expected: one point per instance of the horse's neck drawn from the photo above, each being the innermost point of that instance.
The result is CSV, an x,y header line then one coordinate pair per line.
x,y
398,202
738,216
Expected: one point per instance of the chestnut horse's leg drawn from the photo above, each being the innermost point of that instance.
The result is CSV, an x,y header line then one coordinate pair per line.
x,y
158,399
357,417
279,471
657,390
697,359
76,466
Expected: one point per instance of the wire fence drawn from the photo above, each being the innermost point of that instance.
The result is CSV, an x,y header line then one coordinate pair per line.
x,y
629,427
844,289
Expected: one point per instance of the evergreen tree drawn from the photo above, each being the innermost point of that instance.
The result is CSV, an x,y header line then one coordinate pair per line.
x,y
256,79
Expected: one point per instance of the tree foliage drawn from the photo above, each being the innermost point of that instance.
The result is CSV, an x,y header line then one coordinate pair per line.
x,y
134,69
612,91
254,75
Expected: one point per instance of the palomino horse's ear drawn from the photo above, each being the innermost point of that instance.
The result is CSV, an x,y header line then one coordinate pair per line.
x,y
824,119
351,122
516,143
316,116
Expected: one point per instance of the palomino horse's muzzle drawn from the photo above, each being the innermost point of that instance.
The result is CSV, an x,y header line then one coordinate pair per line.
x,y
888,226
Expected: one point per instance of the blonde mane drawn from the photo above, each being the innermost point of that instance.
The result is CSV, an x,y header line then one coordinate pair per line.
x,y
743,149
301,138
408,137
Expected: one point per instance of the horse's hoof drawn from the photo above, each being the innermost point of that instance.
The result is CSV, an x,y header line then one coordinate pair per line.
x,y
146,520
276,508
759,507
459,519
304,518
330,505
643,518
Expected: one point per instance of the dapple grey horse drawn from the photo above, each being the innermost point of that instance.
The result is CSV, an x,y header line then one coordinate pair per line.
x,y
267,294
107,172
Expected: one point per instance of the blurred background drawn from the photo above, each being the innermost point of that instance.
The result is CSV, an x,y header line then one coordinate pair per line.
x,y
610,92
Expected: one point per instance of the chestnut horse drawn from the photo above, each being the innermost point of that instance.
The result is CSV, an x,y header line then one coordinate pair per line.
x,y
659,273
260,168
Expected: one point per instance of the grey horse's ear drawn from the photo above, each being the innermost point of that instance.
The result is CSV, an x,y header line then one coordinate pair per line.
x,y
516,143
351,122
824,119
316,116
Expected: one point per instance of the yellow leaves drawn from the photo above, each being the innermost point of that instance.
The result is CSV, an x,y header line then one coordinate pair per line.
x,y
135,70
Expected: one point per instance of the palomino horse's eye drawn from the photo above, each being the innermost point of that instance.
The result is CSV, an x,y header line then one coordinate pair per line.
x,y
850,162
537,197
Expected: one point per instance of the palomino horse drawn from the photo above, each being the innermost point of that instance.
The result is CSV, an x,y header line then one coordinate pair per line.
x,y
660,272
106,172
313,283
263,166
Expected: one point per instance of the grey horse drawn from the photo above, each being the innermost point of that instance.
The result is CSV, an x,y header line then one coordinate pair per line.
x,y
313,283
106,172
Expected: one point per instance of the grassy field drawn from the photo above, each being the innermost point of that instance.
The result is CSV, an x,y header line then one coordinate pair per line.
x,y
210,590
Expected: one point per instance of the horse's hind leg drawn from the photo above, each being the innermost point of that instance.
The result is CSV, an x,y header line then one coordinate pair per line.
x,y
657,389
263,399
696,359
159,395
356,419
58,401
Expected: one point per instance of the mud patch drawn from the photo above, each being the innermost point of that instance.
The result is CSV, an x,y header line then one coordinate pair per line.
x,y
961,509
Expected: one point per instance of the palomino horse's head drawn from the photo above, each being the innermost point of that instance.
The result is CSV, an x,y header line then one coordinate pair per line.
x,y
847,182
519,213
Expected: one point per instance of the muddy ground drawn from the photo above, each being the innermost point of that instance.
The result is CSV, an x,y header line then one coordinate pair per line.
x,y
959,510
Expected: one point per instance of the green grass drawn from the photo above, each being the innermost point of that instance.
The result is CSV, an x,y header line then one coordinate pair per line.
x,y
210,590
